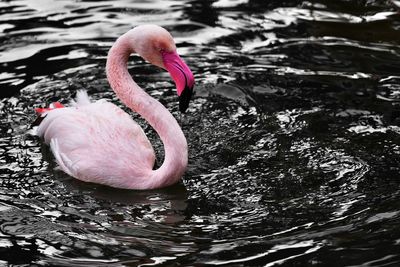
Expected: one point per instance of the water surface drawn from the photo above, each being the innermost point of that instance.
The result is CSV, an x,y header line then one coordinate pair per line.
x,y
294,135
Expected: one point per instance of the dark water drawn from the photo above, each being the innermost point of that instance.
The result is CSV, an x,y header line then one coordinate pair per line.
x,y
294,135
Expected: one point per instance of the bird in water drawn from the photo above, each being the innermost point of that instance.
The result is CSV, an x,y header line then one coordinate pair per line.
x,y
98,142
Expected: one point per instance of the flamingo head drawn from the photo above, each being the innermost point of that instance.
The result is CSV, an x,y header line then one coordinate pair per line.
x,y
157,46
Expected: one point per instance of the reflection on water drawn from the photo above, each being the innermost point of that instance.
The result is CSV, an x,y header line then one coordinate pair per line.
x,y
293,134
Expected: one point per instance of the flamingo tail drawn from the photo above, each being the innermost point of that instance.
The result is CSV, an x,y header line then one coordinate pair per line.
x,y
54,105
81,99
41,112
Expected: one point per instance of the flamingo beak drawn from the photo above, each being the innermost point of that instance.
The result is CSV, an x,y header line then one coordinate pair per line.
x,y
184,99
182,76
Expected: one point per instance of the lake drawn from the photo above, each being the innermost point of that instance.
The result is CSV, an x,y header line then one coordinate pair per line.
x,y
293,133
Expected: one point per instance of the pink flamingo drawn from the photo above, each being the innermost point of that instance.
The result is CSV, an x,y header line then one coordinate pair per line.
x,y
98,142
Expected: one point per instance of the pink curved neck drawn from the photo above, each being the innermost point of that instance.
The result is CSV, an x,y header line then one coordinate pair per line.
x,y
153,112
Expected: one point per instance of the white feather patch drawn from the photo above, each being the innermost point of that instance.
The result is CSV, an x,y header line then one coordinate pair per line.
x,y
81,99
63,161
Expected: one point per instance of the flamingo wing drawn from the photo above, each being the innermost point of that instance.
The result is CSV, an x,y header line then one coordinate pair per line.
x,y
98,142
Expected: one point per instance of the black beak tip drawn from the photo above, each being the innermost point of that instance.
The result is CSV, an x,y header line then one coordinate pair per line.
x,y
184,99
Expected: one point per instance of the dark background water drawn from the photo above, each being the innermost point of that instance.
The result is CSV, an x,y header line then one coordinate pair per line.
x,y
294,135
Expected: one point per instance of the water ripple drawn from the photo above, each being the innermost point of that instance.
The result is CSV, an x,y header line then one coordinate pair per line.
x,y
293,135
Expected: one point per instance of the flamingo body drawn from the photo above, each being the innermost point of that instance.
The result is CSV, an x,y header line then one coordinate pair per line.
x,y
100,143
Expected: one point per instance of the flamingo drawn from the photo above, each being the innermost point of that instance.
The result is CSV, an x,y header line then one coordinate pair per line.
x,y
98,142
